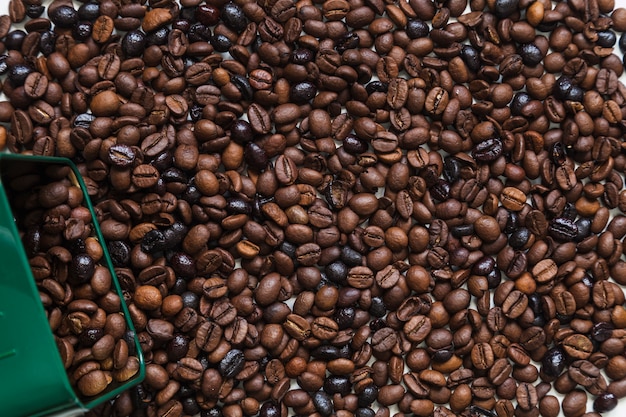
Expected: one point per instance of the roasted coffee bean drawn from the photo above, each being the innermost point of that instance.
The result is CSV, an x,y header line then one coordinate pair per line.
x,y
526,395
605,402
133,43
563,229
417,328
384,339
35,85
554,362
488,150
482,356
583,372
513,198
577,346
574,403
232,363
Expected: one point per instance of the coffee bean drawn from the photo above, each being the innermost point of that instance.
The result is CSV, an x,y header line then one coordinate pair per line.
x,y
482,356
35,85
487,228
513,198
148,297
488,150
384,339
417,328
189,369
574,403
526,396
93,383
545,271
583,372
232,363
577,346
605,402
436,100
121,155
145,176
21,126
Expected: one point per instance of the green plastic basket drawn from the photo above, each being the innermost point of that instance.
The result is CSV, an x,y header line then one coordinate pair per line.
x,y
33,381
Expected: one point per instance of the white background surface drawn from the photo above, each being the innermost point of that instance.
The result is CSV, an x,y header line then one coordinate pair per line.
x,y
621,408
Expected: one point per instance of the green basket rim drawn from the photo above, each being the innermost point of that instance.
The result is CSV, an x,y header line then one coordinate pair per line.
x,y
107,262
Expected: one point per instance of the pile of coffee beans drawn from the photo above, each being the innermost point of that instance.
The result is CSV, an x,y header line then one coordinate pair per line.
x,y
82,305
345,207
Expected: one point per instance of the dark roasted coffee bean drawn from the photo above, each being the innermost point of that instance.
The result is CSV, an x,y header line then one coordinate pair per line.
x,y
82,268
553,362
417,28
133,43
354,145
520,100
349,41
519,238
303,92
34,10
89,11
471,57
563,229
232,363
207,15
121,155
605,402
602,331
323,403
177,348
337,385
153,241
18,74
221,43
64,16
255,156
488,150
531,54
234,17
504,8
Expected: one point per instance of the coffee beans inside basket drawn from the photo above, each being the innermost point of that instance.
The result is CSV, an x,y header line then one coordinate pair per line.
x,y
75,285
344,207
